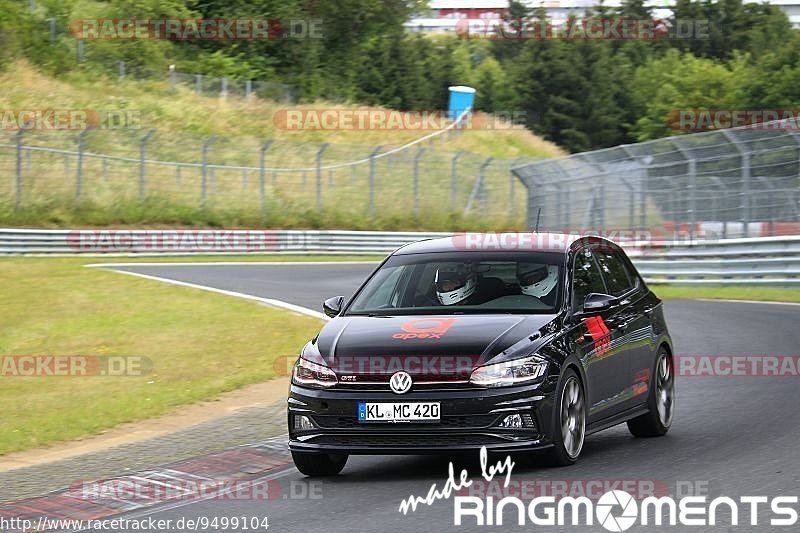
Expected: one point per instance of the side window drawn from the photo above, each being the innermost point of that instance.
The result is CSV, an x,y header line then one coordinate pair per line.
x,y
614,272
633,275
587,278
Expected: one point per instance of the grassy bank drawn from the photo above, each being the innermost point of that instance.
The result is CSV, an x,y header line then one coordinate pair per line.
x,y
199,344
54,191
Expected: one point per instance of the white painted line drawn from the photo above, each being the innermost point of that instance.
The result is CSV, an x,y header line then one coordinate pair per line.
x,y
223,263
744,301
267,301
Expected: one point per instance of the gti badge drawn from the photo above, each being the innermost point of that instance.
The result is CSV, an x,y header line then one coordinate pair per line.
x,y
400,382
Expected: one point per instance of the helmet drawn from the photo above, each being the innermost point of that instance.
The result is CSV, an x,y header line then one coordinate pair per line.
x,y
537,279
455,285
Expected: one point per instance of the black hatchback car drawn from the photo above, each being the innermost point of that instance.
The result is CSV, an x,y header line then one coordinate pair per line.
x,y
509,341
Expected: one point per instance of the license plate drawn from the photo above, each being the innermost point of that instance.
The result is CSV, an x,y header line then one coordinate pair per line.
x,y
398,412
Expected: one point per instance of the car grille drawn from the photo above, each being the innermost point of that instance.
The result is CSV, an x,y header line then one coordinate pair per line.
x,y
395,440
383,386
348,422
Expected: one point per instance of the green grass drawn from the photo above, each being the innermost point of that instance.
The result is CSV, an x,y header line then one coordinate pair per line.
x,y
200,344
728,292
182,120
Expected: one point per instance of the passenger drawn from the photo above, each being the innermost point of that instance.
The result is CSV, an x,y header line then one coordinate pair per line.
x,y
538,280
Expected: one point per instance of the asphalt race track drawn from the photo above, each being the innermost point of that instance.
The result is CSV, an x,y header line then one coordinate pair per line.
x,y
732,436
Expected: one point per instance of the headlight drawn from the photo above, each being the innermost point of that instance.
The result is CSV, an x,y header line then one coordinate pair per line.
x,y
311,374
509,373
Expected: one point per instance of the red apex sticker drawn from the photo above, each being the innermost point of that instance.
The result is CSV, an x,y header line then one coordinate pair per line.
x,y
425,328
600,334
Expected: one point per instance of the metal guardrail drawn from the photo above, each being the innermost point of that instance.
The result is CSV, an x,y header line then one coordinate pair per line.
x,y
766,260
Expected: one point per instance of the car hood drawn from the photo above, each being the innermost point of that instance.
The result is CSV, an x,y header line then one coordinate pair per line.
x,y
435,345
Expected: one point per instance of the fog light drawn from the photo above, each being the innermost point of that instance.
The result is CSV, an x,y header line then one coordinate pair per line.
x,y
518,421
512,421
303,423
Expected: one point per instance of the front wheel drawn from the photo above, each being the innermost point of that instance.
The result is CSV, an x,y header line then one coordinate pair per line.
x,y
569,428
661,401
319,464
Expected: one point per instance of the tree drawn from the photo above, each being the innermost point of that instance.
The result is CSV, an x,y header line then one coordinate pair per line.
x,y
677,83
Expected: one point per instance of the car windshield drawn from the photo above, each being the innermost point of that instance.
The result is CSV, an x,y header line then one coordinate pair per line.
x,y
463,282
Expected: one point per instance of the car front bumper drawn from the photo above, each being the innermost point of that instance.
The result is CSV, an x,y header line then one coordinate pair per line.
x,y
470,419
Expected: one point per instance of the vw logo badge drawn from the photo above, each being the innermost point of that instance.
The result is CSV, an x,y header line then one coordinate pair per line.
x,y
400,382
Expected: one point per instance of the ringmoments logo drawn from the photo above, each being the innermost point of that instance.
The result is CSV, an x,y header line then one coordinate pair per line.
x,y
618,510
615,510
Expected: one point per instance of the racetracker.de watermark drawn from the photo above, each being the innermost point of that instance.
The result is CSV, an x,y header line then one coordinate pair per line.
x,y
343,119
44,120
146,241
733,366
147,489
534,241
529,488
778,119
589,28
25,366
430,366
215,29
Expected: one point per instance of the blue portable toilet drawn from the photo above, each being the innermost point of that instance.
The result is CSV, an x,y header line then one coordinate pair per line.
x,y
461,99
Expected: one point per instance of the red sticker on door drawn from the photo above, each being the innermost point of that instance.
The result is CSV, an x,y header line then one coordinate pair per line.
x,y
601,336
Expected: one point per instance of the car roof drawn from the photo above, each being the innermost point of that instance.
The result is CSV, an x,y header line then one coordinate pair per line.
x,y
498,242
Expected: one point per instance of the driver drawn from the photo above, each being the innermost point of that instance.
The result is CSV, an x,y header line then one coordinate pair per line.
x,y
536,279
455,285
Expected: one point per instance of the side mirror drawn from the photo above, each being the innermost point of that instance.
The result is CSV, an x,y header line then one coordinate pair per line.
x,y
597,303
333,306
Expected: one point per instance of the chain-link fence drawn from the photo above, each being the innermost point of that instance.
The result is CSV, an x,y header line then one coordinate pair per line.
x,y
290,178
726,183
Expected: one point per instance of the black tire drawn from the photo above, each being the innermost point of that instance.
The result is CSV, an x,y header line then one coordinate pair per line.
x,y
569,434
660,400
319,464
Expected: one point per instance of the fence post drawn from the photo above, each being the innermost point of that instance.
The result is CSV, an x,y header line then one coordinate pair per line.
x,y
262,158
372,179
511,180
692,207
224,88
79,171
198,83
204,172
80,51
746,193
478,189
643,202
454,180
417,157
121,70
173,78
248,88
482,189
319,174
18,184
142,154
603,203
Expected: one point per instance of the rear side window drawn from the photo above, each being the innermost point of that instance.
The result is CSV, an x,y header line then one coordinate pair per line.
x,y
587,278
618,279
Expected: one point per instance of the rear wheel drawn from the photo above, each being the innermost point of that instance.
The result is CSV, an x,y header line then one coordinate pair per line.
x,y
661,400
319,464
569,428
